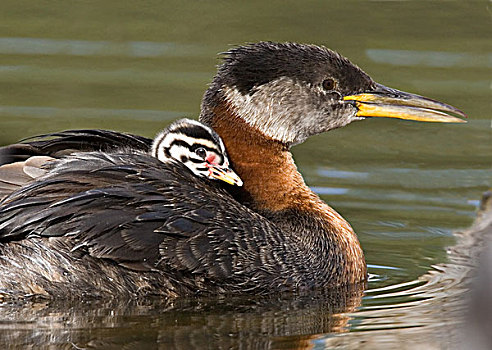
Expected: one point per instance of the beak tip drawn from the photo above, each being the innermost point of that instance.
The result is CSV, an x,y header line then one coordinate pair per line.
x,y
225,174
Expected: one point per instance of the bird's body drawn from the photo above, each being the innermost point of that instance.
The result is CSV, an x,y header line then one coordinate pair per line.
x,y
100,222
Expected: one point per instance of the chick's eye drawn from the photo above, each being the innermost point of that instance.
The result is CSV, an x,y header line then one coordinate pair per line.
x,y
328,84
201,152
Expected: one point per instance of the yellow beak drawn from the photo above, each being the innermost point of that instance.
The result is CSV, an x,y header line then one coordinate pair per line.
x,y
391,103
225,174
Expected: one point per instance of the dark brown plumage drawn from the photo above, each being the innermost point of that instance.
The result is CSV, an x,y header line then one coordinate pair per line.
x,y
111,220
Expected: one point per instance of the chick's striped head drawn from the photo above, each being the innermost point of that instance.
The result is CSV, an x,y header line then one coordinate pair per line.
x,y
198,147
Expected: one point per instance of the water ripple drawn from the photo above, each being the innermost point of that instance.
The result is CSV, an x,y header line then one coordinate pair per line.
x,y
439,59
50,112
35,46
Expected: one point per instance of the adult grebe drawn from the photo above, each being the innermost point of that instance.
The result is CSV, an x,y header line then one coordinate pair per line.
x,y
124,224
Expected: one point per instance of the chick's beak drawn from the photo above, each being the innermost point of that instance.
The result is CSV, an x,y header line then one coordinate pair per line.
x,y
392,103
225,174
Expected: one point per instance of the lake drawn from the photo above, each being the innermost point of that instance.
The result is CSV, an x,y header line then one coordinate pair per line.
x,y
406,187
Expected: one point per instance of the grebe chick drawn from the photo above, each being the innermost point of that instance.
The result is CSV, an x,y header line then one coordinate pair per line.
x,y
184,141
198,147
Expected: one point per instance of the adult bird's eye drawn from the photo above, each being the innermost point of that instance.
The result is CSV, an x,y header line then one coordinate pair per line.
x,y
328,84
200,151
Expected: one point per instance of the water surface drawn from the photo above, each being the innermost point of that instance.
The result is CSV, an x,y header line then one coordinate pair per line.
x,y
404,186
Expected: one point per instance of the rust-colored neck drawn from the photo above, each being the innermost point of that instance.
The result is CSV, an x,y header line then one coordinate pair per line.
x,y
266,166
274,185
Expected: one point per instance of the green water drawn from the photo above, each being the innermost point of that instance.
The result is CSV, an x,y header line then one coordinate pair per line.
x,y
404,186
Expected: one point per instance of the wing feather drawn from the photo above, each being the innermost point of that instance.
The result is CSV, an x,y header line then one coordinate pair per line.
x,y
144,215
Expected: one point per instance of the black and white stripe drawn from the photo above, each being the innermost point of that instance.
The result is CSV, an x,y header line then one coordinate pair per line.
x,y
180,141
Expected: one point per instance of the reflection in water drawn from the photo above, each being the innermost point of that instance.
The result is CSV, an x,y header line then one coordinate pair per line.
x,y
269,322
434,311
427,313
